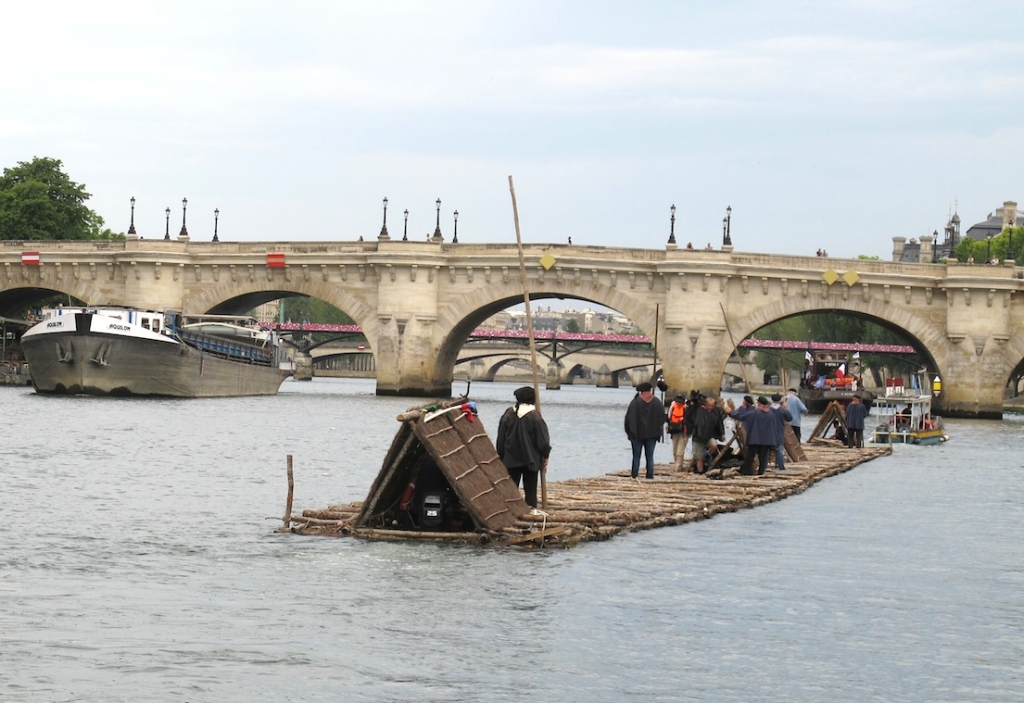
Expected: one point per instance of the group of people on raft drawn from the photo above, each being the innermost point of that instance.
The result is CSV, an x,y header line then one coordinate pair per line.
x,y
700,422
524,445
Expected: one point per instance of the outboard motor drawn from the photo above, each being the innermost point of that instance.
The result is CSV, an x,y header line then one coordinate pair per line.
x,y
434,509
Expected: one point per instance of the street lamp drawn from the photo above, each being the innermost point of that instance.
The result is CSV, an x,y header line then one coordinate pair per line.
x,y
184,209
405,231
131,227
727,229
384,228
216,216
672,228
437,227
455,238
167,224
988,251
1009,245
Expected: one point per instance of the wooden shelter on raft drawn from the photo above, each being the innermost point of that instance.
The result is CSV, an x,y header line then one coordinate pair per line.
x,y
442,474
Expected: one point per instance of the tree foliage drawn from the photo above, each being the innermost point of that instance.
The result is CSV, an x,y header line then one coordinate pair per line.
x,y
1009,241
306,309
38,201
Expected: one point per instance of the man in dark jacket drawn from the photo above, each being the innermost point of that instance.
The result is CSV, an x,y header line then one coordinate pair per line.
x,y
645,418
523,443
708,426
856,411
761,423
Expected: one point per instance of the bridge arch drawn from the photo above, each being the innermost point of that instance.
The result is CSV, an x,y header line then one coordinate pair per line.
x,y
14,298
457,319
924,337
235,297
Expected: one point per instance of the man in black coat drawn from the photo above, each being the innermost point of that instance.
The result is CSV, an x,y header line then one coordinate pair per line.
x,y
645,422
523,444
856,411
708,426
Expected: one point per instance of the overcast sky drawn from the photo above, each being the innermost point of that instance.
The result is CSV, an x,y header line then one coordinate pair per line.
x,y
823,124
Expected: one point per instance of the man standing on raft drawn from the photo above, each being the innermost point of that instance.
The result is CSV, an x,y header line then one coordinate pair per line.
x,y
523,443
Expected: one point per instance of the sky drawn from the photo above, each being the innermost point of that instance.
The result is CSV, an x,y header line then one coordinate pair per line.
x,y
834,125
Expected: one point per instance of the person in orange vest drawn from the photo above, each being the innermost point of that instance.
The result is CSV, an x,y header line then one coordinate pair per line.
x,y
676,427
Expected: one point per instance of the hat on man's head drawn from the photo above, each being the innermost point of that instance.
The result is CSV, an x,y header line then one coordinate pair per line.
x,y
749,400
644,387
791,390
680,396
525,394
776,397
761,400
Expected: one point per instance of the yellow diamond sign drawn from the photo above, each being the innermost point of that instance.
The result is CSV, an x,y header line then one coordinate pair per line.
x,y
851,278
547,261
830,276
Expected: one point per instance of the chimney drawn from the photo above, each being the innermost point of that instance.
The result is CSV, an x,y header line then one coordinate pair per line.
x,y
898,244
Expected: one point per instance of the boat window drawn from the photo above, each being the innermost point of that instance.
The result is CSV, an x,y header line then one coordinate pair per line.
x,y
144,322
156,325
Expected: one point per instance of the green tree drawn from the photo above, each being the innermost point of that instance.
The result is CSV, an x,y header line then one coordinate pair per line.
x,y
38,201
306,309
572,325
1008,244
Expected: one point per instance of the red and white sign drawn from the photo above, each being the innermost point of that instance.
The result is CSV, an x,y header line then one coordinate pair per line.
x,y
30,258
275,261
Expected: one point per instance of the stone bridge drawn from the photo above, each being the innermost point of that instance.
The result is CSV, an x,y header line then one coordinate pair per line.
x,y
417,302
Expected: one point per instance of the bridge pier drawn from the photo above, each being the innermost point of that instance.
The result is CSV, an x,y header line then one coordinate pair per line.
x,y
303,366
604,377
553,380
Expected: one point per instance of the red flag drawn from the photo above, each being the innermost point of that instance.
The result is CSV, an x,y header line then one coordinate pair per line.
x,y
30,258
275,261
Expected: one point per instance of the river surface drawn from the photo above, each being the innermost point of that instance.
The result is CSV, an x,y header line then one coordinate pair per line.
x,y
138,563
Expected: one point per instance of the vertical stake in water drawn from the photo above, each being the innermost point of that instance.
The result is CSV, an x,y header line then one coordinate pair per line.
x,y
291,491
529,330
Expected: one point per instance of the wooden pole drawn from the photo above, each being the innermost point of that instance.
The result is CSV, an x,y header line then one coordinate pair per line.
x,y
291,492
529,330
736,350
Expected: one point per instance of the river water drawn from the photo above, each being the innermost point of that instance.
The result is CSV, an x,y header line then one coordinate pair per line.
x,y
137,563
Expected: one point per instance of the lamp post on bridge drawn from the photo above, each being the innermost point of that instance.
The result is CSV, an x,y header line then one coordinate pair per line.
x,y
455,238
167,223
437,227
988,250
727,227
216,216
384,228
672,227
405,232
183,234
131,227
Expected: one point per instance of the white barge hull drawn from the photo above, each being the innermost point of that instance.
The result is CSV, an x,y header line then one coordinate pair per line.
x,y
73,358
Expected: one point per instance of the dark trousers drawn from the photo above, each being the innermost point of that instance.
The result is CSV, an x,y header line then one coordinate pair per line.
x,y
761,451
796,431
855,438
529,479
647,447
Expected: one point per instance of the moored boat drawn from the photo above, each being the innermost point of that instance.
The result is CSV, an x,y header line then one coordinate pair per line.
x,y
130,352
827,379
907,419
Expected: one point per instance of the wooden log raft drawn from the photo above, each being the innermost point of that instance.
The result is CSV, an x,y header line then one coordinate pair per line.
x,y
598,508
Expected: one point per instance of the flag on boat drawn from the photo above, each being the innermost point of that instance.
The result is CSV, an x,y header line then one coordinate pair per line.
x,y
275,261
30,258
841,371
